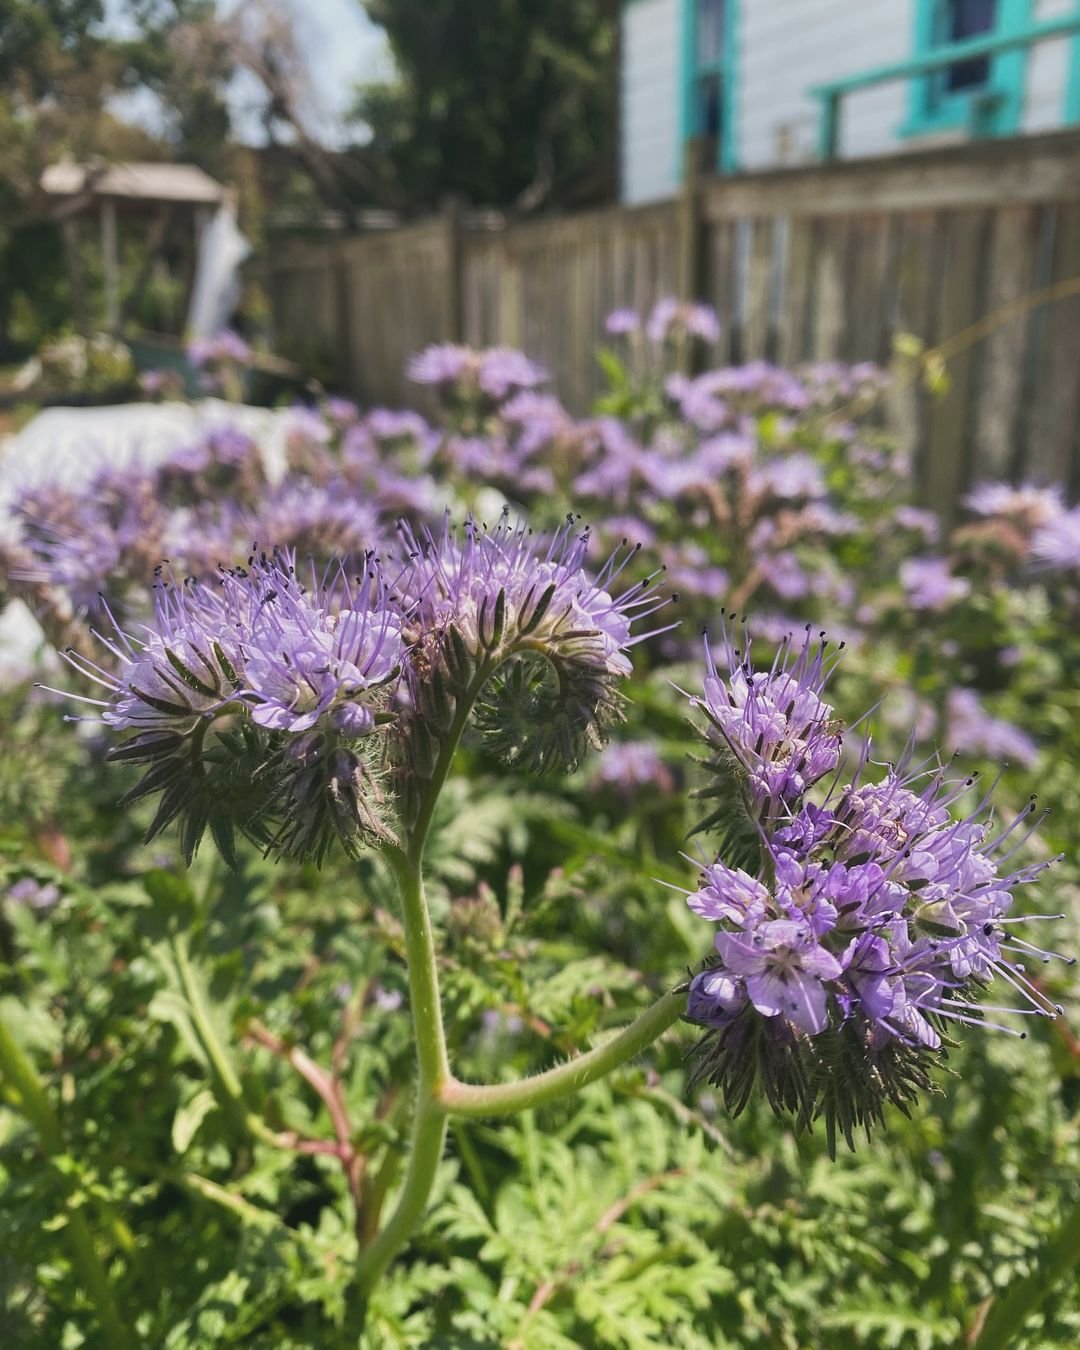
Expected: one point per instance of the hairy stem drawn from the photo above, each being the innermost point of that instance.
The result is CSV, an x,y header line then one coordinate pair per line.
x,y
438,1093
447,750
433,1071
30,1098
503,1099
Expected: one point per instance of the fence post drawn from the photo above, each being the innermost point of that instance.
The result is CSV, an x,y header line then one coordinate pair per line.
x,y
455,266
343,314
689,266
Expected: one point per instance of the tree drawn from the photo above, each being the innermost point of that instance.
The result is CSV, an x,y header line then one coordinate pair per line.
x,y
179,54
57,70
503,102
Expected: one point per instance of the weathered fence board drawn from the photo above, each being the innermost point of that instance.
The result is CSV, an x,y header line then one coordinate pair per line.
x,y
1012,250
1055,406
824,263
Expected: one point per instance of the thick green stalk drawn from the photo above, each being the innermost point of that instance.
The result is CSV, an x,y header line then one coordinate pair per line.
x,y
433,1071
425,1155
33,1102
502,1099
432,1062
438,1093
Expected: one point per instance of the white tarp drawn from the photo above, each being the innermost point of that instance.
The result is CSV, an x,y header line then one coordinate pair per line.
x,y
69,445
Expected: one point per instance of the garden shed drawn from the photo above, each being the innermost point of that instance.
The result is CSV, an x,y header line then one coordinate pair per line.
x,y
175,202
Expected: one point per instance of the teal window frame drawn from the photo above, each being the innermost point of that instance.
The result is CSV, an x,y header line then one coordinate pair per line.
x,y
1072,89
995,109
691,71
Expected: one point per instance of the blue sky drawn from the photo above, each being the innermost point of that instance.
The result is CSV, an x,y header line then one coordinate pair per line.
x,y
343,47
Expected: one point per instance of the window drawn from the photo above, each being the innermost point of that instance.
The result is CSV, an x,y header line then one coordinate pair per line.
x,y
708,76
984,93
708,67
958,21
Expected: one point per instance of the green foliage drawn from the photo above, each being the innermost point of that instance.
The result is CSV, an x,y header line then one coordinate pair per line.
x,y
452,122
633,1216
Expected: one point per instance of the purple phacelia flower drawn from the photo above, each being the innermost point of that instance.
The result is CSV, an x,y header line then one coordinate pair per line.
x,y
622,321
502,371
976,732
629,766
39,895
1027,506
300,677
486,598
547,595
930,584
1056,544
222,347
783,968
307,652
775,722
495,373
869,922
170,674
919,521
443,363
342,412
671,319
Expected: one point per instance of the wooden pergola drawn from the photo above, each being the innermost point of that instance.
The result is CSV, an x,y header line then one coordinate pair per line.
x,y
158,192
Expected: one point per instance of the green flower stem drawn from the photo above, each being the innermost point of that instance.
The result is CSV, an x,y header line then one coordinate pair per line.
x,y
32,1101
503,1099
433,1072
426,1150
419,833
438,1093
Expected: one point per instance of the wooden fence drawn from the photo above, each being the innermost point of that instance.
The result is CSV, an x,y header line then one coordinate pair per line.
x,y
819,263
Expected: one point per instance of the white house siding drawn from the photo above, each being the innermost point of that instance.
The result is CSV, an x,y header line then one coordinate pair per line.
x,y
649,152
788,46
783,49
1047,75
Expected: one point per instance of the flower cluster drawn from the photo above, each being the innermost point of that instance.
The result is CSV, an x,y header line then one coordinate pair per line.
x,y
293,679
226,346
869,919
460,373
522,622
319,689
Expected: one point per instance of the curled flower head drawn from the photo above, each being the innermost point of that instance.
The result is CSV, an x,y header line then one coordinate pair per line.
x,y
773,723
253,701
306,653
868,925
485,598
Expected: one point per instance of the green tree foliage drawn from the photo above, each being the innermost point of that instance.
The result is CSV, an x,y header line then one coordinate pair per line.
x,y
503,102
179,54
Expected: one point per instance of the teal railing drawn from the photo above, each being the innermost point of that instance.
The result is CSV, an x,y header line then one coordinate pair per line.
x,y
993,44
